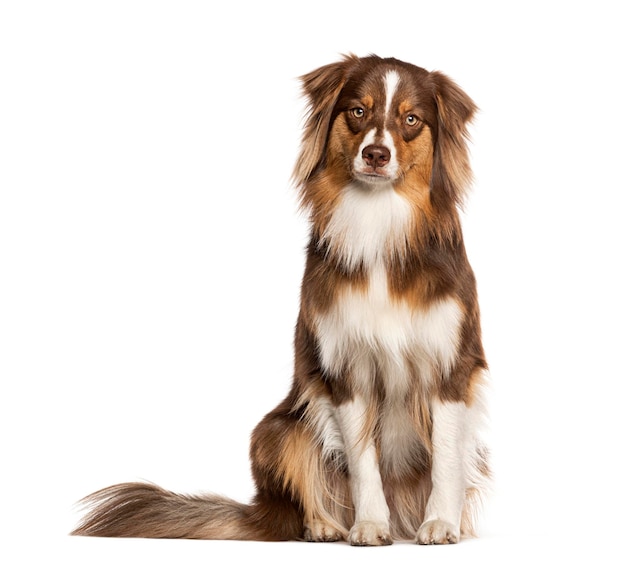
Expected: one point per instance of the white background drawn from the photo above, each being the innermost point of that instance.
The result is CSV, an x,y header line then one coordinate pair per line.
x,y
151,253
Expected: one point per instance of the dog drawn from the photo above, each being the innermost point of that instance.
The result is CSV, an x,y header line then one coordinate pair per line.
x,y
378,438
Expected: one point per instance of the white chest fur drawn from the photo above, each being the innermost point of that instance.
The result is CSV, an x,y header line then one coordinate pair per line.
x,y
366,326
368,223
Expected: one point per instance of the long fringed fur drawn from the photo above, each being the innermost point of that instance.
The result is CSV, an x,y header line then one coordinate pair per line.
x,y
146,510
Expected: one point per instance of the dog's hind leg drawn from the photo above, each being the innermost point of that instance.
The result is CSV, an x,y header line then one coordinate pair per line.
x,y
287,462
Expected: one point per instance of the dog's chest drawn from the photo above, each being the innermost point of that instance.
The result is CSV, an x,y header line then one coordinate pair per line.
x,y
366,325
368,329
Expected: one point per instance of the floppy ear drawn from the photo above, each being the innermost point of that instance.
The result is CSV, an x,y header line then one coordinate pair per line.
x,y
321,88
451,169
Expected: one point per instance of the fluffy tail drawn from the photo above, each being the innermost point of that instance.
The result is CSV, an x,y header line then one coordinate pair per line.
x,y
146,510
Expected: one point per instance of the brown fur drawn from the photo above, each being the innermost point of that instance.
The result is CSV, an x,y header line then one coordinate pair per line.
x,y
303,491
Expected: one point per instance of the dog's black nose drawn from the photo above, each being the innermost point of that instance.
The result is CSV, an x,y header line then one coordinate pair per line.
x,y
376,156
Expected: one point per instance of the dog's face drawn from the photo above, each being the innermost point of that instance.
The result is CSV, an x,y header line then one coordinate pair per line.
x,y
379,121
381,129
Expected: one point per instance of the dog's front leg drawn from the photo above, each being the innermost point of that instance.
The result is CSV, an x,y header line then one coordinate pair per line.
x,y
371,523
442,520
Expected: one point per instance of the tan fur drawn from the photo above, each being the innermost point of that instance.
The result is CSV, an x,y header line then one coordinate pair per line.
x,y
305,476
325,83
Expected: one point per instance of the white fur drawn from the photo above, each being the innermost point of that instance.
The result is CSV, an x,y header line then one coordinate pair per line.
x,y
392,169
392,80
366,223
442,521
320,413
364,323
475,420
368,140
365,481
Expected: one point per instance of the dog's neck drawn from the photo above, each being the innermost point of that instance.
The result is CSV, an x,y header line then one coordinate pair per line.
x,y
369,225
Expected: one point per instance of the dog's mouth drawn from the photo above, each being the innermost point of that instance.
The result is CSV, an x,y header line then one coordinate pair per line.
x,y
372,176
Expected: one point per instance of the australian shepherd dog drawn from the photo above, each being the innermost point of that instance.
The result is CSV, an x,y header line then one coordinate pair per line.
x,y
378,437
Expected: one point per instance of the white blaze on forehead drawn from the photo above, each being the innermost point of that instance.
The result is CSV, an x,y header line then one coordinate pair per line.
x,y
391,84
391,168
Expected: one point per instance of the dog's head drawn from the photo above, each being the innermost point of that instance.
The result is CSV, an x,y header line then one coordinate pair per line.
x,y
382,121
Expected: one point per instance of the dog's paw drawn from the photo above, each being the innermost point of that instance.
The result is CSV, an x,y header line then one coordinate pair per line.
x,y
320,531
438,532
369,533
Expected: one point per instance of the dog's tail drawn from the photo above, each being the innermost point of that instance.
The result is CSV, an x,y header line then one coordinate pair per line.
x,y
146,510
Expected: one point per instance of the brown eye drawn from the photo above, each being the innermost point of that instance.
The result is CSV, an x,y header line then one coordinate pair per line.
x,y
358,112
412,120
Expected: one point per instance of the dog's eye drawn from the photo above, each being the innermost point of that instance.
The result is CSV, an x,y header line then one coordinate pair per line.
x,y
412,120
358,112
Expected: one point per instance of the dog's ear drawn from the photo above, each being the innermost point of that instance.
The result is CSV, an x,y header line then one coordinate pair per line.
x,y
321,89
451,168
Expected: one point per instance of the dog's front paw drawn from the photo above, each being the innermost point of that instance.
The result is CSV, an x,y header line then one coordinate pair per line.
x,y
369,533
320,531
438,532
